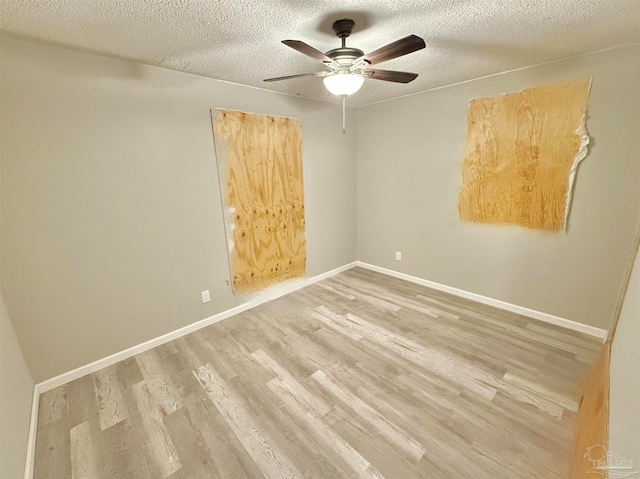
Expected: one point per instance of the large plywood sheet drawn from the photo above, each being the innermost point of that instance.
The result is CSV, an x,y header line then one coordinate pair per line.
x,y
260,169
522,152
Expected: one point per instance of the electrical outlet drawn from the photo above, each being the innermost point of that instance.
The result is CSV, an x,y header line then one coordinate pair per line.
x,y
206,297
398,255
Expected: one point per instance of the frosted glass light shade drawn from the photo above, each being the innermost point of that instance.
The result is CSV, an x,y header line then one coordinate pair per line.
x,y
343,84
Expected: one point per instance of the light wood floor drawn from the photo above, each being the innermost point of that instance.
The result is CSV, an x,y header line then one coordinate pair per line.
x,y
360,375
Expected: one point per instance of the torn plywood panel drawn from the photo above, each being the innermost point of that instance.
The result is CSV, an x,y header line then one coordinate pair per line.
x,y
260,170
522,153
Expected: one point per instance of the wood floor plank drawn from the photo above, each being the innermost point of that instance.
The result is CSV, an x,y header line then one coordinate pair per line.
x,y
288,431
111,406
165,457
383,459
128,372
320,407
158,382
53,451
271,461
124,453
190,446
81,400
83,458
472,378
393,433
230,458
321,431
53,405
360,375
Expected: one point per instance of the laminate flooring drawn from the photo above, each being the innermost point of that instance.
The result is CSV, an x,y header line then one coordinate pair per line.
x,y
359,375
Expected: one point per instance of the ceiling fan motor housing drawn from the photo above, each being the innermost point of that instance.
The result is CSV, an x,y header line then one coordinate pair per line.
x,y
344,27
344,55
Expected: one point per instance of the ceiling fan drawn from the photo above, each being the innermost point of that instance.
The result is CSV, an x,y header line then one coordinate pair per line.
x,y
348,67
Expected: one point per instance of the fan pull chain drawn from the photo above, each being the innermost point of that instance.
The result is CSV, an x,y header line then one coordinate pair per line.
x,y
344,115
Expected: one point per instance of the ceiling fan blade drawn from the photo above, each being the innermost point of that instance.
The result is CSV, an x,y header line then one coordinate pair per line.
x,y
301,75
395,49
389,75
308,50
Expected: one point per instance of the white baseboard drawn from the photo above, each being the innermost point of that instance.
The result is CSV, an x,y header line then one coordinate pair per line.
x,y
31,441
532,313
290,286
268,295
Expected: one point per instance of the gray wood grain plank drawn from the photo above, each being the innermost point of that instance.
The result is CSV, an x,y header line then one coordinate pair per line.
x,y
159,384
267,455
111,406
53,405
318,405
83,458
165,457
81,400
305,412
393,433
190,446
53,451
128,372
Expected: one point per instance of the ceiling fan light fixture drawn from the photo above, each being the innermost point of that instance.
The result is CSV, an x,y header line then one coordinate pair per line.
x,y
343,84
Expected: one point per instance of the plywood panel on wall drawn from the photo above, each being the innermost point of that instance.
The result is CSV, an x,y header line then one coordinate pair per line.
x,y
522,151
260,169
591,440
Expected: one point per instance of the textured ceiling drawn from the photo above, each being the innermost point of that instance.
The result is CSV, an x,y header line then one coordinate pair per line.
x,y
239,40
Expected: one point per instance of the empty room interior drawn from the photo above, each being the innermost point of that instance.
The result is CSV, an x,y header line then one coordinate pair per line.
x,y
319,239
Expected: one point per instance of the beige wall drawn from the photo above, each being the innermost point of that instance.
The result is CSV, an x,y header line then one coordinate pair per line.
x,y
16,389
16,394
624,420
112,222
410,153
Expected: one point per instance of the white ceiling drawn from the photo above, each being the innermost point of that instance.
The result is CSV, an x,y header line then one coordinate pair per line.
x,y
239,40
